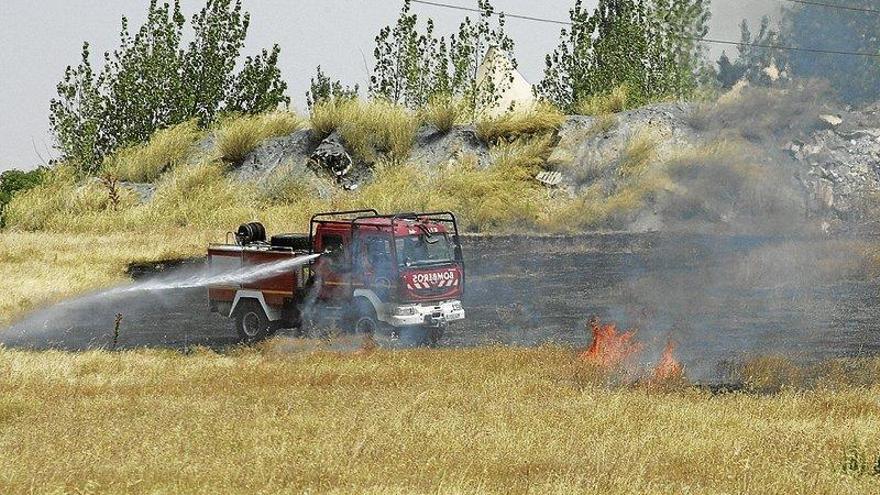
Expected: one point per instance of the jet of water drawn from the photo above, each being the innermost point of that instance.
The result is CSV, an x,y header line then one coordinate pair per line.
x,y
233,276
140,300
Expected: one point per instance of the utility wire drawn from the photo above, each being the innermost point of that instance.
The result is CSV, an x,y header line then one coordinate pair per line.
x,y
834,6
512,16
704,40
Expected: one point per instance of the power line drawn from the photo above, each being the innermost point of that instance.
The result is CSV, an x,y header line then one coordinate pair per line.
x,y
704,40
512,16
834,6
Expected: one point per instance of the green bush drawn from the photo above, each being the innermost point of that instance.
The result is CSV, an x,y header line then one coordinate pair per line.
x,y
17,181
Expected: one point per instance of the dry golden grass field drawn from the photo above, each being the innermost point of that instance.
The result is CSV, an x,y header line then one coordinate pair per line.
x,y
284,418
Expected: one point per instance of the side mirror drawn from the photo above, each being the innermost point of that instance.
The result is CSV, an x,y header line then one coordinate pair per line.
x,y
457,253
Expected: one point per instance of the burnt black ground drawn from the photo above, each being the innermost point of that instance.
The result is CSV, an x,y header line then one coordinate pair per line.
x,y
699,291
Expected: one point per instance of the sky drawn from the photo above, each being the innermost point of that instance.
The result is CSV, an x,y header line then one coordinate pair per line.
x,y
39,39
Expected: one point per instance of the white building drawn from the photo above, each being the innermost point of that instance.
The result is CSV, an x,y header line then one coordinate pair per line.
x,y
516,93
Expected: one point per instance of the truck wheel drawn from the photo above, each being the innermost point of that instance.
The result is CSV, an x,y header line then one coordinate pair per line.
x,y
251,322
365,320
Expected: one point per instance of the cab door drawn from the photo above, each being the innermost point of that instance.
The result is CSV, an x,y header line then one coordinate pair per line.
x,y
374,263
333,271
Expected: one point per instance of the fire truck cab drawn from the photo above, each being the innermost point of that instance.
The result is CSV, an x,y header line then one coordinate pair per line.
x,y
373,273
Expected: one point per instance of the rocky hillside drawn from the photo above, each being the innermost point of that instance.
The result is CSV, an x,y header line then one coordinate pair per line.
x,y
824,161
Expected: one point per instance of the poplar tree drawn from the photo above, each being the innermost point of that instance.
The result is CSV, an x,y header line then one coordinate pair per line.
x,y
152,80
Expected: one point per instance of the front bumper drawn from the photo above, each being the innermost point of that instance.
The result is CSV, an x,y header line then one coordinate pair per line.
x,y
430,314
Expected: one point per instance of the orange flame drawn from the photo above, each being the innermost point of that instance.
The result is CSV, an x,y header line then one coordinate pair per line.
x,y
609,348
668,367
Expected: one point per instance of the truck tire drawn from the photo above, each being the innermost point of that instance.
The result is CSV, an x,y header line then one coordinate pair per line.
x,y
364,320
251,322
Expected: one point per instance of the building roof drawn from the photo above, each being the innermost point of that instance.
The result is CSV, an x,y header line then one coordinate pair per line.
x,y
516,92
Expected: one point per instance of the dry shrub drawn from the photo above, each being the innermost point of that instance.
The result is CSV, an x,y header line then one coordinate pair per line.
x,y
369,128
543,118
501,197
445,112
594,208
615,101
759,114
639,153
395,187
603,124
288,184
146,162
730,180
843,373
237,136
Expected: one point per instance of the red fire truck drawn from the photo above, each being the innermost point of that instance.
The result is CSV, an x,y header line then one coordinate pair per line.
x,y
365,271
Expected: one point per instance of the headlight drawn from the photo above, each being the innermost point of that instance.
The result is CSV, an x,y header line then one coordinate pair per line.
x,y
405,311
456,306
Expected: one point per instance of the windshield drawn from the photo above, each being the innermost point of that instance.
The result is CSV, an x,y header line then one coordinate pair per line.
x,y
422,249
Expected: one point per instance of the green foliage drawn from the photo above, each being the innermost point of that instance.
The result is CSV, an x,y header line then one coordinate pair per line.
x,y
237,136
413,67
855,79
467,50
755,64
146,162
323,89
258,87
648,46
407,62
17,181
151,82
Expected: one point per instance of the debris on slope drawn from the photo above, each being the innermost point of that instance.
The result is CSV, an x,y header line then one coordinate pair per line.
x,y
842,164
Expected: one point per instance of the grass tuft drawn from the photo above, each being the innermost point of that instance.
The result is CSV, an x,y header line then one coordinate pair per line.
x,y
444,112
640,152
146,162
237,136
543,118
372,129
615,101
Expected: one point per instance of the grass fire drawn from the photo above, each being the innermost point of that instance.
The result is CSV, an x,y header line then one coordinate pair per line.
x,y
472,252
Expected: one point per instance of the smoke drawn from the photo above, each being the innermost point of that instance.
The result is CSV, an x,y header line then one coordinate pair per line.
x,y
169,309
